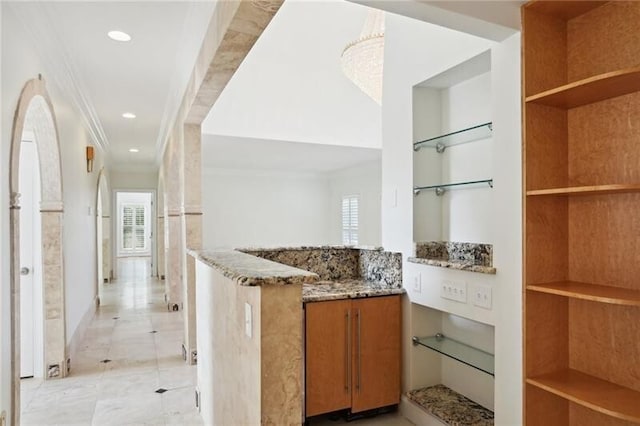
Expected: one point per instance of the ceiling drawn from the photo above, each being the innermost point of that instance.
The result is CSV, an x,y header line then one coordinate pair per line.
x,y
104,78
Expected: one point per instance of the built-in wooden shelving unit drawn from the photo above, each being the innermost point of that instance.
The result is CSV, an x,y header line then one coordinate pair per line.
x,y
581,84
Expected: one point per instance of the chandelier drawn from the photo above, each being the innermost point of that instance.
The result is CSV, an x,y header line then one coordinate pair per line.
x,y
363,59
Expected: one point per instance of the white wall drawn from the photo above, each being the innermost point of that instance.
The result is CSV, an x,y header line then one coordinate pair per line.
x,y
291,86
416,51
465,213
20,62
248,208
134,180
364,180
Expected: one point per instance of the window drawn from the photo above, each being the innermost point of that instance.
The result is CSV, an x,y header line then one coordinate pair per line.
x,y
133,227
350,220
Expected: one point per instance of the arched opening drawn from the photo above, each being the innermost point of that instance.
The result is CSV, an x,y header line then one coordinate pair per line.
x,y
103,234
34,114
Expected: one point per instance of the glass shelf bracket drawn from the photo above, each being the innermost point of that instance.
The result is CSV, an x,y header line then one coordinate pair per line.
x,y
442,142
440,189
473,357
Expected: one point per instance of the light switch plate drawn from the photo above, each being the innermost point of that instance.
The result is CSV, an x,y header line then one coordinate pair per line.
x,y
248,320
482,296
417,283
454,290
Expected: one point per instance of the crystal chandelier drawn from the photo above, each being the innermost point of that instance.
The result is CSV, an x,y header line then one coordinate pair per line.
x,y
363,59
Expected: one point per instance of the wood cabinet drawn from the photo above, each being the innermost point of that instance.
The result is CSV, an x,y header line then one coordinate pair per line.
x,y
581,115
352,350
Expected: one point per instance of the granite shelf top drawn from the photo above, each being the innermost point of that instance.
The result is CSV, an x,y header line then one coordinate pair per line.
x,y
250,270
463,266
300,248
451,407
346,289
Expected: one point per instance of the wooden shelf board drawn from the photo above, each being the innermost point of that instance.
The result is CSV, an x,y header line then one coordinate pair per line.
x,y
591,392
563,9
592,292
592,89
588,190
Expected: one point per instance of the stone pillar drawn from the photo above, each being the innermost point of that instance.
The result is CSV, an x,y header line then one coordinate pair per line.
x,y
160,239
107,272
191,231
174,244
55,354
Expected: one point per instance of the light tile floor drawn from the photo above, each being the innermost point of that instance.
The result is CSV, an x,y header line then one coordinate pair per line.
x,y
122,392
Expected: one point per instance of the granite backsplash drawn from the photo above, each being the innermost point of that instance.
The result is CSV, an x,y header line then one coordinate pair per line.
x,y
335,263
471,253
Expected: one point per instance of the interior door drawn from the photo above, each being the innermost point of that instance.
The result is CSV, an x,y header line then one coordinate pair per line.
x,y
27,209
376,354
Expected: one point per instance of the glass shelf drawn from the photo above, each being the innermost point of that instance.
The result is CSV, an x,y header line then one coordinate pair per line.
x,y
459,351
440,143
440,189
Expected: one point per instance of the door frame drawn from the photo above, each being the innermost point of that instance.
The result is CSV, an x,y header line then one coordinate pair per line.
x,y
115,226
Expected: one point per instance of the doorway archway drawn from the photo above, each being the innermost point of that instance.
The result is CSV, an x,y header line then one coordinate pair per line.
x,y
103,233
35,113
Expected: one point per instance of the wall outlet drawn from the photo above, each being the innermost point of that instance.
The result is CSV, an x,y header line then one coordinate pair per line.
x,y
482,296
454,290
417,283
248,320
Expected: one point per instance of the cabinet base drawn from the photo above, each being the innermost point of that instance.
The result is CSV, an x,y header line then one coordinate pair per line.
x,y
348,416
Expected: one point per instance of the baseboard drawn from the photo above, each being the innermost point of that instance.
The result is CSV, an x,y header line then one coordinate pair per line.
x,y
417,415
78,335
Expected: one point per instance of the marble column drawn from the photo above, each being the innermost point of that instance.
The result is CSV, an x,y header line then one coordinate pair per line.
x,y
191,231
55,353
161,254
174,243
106,248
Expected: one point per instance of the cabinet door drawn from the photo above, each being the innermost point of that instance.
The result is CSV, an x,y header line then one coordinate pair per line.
x,y
328,369
376,352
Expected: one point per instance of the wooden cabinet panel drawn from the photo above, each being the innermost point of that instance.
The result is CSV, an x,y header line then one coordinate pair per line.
x,y
327,356
376,352
352,354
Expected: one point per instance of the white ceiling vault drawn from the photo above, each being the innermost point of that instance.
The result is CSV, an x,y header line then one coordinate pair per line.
x,y
104,78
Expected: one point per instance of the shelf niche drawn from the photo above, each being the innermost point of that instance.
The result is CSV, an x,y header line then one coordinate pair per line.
x,y
582,185
452,158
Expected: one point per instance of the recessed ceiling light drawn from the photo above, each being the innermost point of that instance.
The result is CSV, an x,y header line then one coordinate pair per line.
x,y
134,150
129,115
119,36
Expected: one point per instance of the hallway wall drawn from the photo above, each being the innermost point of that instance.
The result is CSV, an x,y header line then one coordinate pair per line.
x,y
21,61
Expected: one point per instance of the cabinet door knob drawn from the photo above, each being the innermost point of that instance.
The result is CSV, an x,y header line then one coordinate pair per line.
x,y
24,270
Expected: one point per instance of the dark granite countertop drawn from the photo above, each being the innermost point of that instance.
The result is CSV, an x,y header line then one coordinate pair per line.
x,y
346,289
250,270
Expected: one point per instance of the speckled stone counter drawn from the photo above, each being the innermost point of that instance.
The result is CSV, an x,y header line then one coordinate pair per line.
x,y
346,289
248,270
335,263
472,257
451,407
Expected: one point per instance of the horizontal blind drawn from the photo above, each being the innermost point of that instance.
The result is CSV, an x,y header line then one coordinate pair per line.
x,y
350,220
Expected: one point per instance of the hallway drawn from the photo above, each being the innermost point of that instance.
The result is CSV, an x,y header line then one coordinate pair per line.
x,y
131,349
